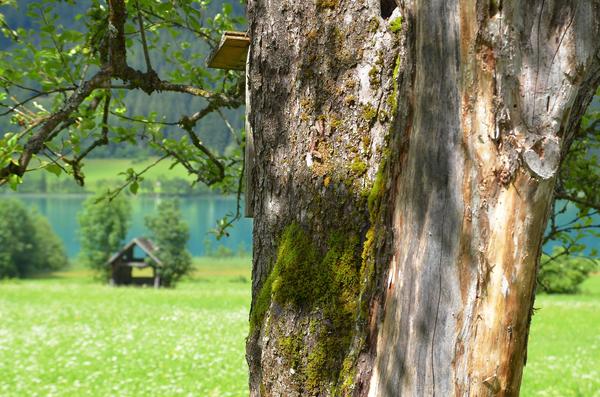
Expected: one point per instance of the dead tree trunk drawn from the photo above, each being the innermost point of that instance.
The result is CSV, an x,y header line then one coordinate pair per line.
x,y
405,156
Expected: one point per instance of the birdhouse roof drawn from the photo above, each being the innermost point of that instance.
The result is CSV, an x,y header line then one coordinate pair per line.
x,y
231,52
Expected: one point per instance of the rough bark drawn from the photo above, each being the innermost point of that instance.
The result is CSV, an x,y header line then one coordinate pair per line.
x,y
403,173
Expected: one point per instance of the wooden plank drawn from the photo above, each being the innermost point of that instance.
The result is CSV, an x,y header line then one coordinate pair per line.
x,y
231,52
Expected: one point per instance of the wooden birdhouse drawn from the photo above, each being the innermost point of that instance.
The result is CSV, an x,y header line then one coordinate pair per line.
x,y
231,53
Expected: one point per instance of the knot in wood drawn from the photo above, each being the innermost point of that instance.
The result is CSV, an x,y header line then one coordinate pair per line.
x,y
542,157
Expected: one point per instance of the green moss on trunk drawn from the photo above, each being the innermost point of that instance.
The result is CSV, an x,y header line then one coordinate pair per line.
x,y
324,286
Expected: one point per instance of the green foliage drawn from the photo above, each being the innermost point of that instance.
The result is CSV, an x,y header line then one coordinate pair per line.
x,y
170,233
575,217
27,242
49,250
16,245
564,274
66,43
165,178
103,227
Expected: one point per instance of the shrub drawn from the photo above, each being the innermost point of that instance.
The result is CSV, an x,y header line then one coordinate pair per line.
x,y
170,233
50,249
16,242
27,242
103,227
564,275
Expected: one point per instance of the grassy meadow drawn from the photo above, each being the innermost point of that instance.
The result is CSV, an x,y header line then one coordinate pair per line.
x,y
69,335
97,170
102,173
66,334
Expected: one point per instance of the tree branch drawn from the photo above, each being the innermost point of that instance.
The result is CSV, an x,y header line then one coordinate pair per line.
x,y
133,178
144,121
116,67
212,42
103,140
196,142
143,35
36,143
577,200
37,95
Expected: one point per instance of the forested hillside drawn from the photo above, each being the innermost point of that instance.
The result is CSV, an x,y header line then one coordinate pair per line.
x,y
181,48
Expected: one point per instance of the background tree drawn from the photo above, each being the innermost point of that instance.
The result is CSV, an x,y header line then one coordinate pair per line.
x,y
49,251
103,226
27,242
564,274
16,243
171,234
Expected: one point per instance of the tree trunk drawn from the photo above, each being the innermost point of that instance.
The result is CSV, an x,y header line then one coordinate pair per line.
x,y
404,165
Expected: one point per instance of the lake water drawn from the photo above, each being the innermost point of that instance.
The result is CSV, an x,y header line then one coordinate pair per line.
x,y
201,213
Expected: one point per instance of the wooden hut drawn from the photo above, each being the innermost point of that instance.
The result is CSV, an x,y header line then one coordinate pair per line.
x,y
123,263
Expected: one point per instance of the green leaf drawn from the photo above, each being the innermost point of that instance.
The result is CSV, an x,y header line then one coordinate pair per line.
x,y
53,169
14,181
134,187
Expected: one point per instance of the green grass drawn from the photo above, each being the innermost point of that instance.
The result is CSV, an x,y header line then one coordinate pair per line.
x,y
96,170
102,173
71,336
564,345
68,335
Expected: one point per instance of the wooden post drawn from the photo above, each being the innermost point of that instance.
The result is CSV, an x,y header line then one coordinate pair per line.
x,y
156,278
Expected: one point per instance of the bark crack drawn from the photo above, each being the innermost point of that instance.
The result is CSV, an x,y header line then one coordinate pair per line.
x,y
439,299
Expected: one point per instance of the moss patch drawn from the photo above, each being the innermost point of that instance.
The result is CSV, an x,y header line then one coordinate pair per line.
x,y
335,122
396,25
294,267
369,112
350,100
392,99
324,286
374,77
358,167
373,25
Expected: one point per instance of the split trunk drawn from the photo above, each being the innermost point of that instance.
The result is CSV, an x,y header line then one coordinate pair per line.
x,y
403,170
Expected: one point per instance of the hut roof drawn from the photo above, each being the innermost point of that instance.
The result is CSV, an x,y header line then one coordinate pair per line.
x,y
144,244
